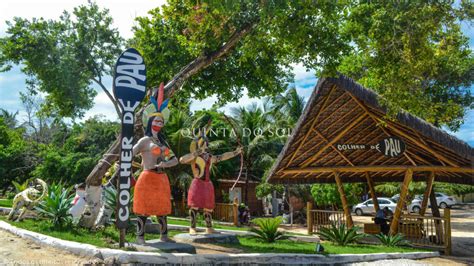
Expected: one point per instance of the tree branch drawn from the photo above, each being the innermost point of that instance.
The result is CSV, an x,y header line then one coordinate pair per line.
x,y
204,61
111,97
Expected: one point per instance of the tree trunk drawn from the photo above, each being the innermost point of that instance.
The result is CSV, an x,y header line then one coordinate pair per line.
x,y
246,187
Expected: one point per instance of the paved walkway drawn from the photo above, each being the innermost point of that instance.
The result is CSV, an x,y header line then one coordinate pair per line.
x,y
18,251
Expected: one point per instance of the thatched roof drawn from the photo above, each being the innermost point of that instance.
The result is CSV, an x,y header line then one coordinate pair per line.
x,y
340,111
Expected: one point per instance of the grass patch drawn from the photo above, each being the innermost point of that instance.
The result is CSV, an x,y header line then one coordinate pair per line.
x,y
6,202
250,244
101,238
201,223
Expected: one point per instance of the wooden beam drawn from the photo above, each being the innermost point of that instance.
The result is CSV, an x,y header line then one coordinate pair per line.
x,y
342,194
334,148
435,212
426,147
375,118
311,126
378,168
426,195
370,183
339,136
401,202
309,217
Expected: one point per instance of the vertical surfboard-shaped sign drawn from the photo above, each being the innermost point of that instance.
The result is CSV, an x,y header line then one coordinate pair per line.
x,y
129,87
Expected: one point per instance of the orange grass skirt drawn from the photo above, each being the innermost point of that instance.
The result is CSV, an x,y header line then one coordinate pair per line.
x,y
152,194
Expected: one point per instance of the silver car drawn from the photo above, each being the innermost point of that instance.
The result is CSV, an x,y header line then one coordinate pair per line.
x,y
443,200
367,206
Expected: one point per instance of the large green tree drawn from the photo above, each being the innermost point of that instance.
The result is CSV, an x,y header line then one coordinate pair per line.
x,y
64,57
415,55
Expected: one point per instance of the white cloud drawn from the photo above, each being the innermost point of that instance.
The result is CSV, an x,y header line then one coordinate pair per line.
x,y
103,107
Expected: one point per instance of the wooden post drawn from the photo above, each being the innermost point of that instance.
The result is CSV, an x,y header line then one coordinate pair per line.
x,y
235,211
122,238
401,202
447,230
436,213
370,182
309,217
342,194
426,195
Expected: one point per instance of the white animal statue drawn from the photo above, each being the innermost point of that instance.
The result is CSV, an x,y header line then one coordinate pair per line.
x,y
28,199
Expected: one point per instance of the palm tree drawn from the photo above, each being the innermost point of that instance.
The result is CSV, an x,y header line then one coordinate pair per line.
x,y
9,118
259,149
287,108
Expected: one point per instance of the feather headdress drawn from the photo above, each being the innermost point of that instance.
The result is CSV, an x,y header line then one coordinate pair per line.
x,y
157,107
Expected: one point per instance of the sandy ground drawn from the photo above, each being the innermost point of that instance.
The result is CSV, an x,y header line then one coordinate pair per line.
x,y
18,251
402,262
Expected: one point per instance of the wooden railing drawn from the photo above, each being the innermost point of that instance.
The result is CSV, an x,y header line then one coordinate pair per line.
x,y
224,212
318,219
427,231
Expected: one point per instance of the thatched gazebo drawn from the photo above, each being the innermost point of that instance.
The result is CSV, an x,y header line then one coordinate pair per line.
x,y
344,136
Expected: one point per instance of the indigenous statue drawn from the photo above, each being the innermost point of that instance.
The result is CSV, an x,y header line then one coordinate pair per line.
x,y
201,191
28,199
152,190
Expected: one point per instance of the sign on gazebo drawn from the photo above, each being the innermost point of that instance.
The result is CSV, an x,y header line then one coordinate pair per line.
x,y
390,147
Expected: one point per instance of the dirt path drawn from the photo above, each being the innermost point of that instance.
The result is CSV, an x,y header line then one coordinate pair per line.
x,y
18,251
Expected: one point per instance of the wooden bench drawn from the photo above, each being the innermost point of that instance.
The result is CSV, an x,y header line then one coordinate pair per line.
x,y
372,229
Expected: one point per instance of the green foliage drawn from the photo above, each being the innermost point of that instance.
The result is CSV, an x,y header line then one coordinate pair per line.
x,y
19,187
111,199
328,195
392,240
55,206
264,189
181,31
414,54
268,229
454,189
63,57
340,235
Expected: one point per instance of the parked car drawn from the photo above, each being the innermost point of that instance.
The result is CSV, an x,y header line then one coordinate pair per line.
x,y
443,201
395,198
367,206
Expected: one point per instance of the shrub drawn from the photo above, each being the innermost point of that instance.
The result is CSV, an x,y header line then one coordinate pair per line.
x,y
391,240
56,205
110,197
19,187
268,229
340,235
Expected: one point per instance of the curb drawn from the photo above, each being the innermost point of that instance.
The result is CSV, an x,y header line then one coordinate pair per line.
x,y
121,256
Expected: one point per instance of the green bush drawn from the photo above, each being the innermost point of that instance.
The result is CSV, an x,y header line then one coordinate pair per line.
x,y
56,205
268,229
392,240
19,187
340,235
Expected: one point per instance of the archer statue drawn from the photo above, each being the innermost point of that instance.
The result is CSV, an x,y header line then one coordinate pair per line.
x,y
201,191
152,190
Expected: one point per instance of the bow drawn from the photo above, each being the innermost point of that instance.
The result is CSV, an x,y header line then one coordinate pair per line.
x,y
241,152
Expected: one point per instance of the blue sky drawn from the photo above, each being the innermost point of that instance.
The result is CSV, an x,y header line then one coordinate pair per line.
x,y
13,82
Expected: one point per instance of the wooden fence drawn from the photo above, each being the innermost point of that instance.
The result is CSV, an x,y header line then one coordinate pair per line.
x,y
318,219
427,231
224,212
421,231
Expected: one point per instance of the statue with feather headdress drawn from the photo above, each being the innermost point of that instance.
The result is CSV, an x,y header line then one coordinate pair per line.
x,y
152,190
